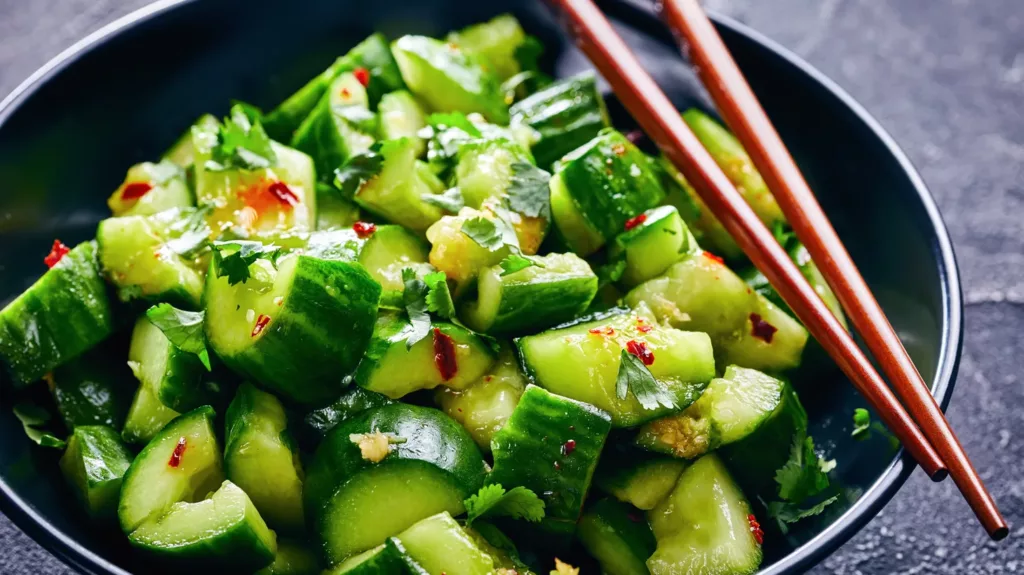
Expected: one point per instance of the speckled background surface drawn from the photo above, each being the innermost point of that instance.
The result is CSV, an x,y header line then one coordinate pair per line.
x,y
946,78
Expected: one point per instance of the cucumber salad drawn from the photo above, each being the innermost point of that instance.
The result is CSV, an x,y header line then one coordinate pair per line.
x,y
431,314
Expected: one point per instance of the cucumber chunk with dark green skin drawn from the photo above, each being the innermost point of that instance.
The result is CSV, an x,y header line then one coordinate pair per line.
x,y
389,250
393,369
703,527
389,558
485,168
182,153
261,457
396,193
636,476
618,536
283,328
555,290
151,188
440,545
164,473
448,79
567,114
582,362
63,314
551,445
293,557
340,126
355,504
608,182
94,463
92,390
654,244
146,416
496,41
700,293
173,375
318,423
223,533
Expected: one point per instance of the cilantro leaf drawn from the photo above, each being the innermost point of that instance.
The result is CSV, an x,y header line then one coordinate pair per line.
x,y
242,142
233,258
485,232
802,476
450,200
786,513
494,501
183,328
634,376
861,423
528,191
453,121
359,169
415,299
446,134
34,419
194,233
515,262
439,298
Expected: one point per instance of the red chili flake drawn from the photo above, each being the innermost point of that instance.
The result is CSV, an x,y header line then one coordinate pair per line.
x,y
639,349
261,324
283,194
363,75
755,529
345,93
364,229
444,355
57,252
713,257
634,222
761,329
135,190
606,330
568,447
642,326
179,450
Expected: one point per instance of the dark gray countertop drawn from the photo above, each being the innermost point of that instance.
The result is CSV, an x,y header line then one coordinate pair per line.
x,y
946,78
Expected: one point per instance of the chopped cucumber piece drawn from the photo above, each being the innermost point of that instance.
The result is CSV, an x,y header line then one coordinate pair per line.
x,y
551,445
151,188
93,390
485,169
182,153
393,369
261,457
566,114
387,558
354,400
63,314
173,375
439,545
582,362
656,242
388,251
94,463
383,470
281,327
401,116
618,536
294,557
637,477
340,126
449,79
222,532
703,527
459,256
146,416
556,289
396,193
496,41
333,210
573,230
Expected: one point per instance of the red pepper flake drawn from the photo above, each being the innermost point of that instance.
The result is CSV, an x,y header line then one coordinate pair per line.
x,y
261,324
179,450
642,326
283,194
634,222
761,329
755,529
135,190
713,257
364,229
639,349
57,252
444,355
345,93
568,447
363,75
606,330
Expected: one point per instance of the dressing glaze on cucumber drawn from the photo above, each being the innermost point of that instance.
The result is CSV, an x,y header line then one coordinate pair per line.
x,y
432,314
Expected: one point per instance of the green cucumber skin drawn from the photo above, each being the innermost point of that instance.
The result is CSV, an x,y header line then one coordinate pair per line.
x,y
650,248
146,417
527,450
567,114
65,313
92,390
326,135
440,545
179,385
94,463
389,559
300,356
618,536
294,557
610,182
316,424
636,476
333,211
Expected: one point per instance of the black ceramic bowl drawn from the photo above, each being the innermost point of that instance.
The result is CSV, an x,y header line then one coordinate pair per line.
x,y
121,96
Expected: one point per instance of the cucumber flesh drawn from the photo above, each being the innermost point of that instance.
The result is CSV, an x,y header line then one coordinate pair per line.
x,y
582,362
636,477
389,557
146,416
388,251
182,153
94,463
334,211
396,192
618,536
294,557
151,188
340,127
496,41
261,457
439,545
164,473
222,532
573,229
703,527
656,243
401,116
458,255
173,375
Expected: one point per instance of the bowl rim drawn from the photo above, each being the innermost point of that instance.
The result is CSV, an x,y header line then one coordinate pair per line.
x,y
76,555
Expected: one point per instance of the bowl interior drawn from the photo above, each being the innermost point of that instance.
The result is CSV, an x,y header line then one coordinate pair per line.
x,y
66,145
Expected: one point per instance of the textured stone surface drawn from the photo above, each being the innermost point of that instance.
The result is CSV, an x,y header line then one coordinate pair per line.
x,y
946,78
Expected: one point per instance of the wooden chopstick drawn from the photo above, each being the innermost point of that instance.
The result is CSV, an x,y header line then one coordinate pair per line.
x,y
663,124
744,115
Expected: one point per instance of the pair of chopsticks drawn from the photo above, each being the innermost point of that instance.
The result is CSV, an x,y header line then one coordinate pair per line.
x,y
927,435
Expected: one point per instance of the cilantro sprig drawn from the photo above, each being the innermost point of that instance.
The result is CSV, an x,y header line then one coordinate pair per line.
x,y
423,297
359,169
528,191
801,479
233,258
242,143
494,501
634,377
183,328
